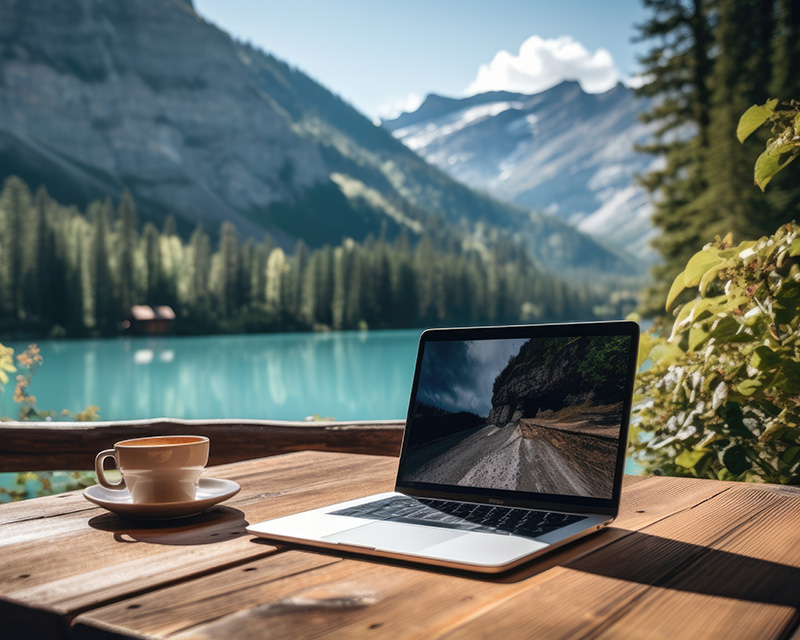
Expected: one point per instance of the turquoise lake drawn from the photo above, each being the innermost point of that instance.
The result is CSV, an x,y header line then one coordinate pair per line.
x,y
342,375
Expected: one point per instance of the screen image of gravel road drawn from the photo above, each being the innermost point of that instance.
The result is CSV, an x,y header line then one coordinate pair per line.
x,y
542,415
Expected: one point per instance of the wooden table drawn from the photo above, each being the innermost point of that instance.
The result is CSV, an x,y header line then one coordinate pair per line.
x,y
686,558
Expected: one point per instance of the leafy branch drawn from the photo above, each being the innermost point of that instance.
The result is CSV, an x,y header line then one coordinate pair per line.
x,y
783,146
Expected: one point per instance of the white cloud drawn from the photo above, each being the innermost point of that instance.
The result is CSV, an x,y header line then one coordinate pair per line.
x,y
393,107
639,80
543,63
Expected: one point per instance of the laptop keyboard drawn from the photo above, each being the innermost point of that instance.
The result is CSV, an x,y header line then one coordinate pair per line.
x,y
484,518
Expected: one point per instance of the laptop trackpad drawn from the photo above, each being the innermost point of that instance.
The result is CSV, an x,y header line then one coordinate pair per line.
x,y
394,536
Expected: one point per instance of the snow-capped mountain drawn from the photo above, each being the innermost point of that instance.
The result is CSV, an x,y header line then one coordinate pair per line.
x,y
98,96
562,151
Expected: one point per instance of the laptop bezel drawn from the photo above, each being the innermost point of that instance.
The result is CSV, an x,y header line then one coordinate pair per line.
x,y
549,502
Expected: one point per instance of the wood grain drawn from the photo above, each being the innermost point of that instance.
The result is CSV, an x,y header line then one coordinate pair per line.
x,y
685,558
61,557
47,446
360,597
718,570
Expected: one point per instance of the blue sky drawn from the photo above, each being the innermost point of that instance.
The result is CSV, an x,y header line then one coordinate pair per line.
x,y
383,57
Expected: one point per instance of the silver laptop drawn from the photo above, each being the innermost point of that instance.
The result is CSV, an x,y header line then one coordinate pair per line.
x,y
514,445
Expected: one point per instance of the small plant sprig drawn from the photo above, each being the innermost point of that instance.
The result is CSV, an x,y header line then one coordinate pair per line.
x,y
784,144
29,360
28,363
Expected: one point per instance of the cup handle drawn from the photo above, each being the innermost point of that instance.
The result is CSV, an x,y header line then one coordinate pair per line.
x,y
101,476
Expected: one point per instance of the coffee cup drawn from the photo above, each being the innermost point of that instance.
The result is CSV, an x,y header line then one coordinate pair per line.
x,y
157,469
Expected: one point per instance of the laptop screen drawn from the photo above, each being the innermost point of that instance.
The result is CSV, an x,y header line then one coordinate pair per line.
x,y
541,415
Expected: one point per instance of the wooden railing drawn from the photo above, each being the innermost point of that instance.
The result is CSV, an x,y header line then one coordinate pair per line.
x,y
48,446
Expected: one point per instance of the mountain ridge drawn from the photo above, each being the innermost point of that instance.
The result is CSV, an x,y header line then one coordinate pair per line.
x,y
562,150
100,96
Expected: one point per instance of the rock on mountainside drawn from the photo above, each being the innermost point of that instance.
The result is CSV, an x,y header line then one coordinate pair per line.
x,y
563,151
530,383
99,95
558,377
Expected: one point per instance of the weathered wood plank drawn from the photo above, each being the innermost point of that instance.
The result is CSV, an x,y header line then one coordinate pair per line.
x,y
291,598
44,446
353,597
68,559
685,556
741,579
728,568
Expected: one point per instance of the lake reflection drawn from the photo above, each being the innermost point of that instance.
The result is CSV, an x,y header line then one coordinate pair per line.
x,y
347,376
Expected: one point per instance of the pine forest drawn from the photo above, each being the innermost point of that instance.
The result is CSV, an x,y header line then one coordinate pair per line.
x,y
63,272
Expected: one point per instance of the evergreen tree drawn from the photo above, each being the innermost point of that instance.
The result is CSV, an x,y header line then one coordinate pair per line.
x,y
152,255
216,284
258,273
324,286
104,307
127,239
171,249
404,285
170,228
38,257
276,266
308,299
679,68
201,270
741,74
229,256
339,298
57,291
15,204
353,311
424,261
477,287
86,269
247,256
293,279
386,308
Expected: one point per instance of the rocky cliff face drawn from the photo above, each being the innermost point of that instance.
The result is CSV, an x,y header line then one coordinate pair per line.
x,y
100,95
145,94
531,383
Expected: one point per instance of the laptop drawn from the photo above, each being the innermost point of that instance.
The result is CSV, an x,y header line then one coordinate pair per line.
x,y
514,445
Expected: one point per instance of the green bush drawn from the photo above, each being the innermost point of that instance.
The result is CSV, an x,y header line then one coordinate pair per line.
x,y
720,396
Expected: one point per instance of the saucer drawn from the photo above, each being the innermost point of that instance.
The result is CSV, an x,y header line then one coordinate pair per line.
x,y
209,492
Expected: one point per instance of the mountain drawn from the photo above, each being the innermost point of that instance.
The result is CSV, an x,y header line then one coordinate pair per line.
x,y
563,151
99,95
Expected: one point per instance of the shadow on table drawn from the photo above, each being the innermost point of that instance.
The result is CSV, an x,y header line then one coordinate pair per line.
x,y
670,564
644,559
215,525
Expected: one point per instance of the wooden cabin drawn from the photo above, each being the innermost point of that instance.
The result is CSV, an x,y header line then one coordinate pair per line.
x,y
150,321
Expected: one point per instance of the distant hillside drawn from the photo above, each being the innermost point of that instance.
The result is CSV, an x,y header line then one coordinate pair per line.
x,y
563,151
99,95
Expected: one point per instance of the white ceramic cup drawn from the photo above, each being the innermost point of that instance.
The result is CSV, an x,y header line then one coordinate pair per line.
x,y
157,469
